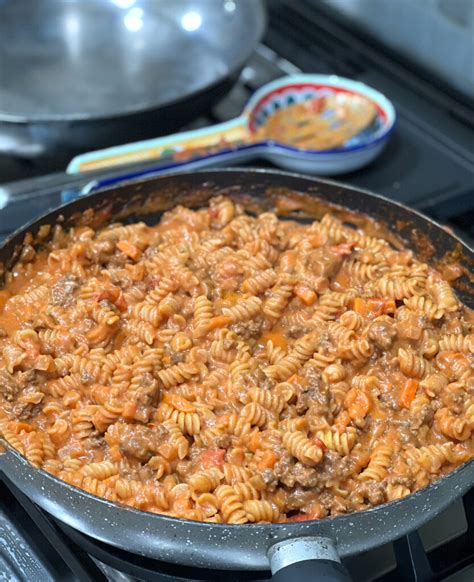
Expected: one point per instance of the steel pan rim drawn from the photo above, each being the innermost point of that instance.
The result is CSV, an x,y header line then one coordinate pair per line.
x,y
259,22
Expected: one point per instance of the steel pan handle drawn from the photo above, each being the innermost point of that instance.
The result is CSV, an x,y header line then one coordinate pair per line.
x,y
306,559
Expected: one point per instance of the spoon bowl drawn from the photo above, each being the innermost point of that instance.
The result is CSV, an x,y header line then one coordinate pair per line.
x,y
357,151
245,137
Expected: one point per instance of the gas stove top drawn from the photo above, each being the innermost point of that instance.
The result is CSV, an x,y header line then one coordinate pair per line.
x,y
428,164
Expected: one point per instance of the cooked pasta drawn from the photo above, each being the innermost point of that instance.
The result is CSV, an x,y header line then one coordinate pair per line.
x,y
232,368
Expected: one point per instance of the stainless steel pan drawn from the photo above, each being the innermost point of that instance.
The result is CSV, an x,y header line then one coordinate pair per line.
x,y
80,75
294,550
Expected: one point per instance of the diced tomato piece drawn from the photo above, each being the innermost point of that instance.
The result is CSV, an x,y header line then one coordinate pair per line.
x,y
303,516
319,443
213,213
343,249
32,352
114,295
212,458
120,303
110,294
153,281
299,517
18,426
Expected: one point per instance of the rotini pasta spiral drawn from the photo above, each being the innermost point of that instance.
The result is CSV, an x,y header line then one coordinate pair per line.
x,y
378,464
231,507
243,311
298,445
412,365
231,367
342,443
261,511
457,343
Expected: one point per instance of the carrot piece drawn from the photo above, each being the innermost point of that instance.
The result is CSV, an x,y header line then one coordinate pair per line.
x,y
231,296
307,295
268,460
315,513
342,420
129,410
115,454
315,240
294,379
389,306
277,338
100,393
255,441
407,393
219,321
4,297
359,305
373,307
17,427
129,249
179,402
357,404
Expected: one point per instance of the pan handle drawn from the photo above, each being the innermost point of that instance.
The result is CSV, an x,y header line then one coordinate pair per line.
x,y
306,559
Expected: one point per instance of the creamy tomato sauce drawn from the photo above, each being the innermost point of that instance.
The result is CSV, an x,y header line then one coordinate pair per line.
x,y
230,368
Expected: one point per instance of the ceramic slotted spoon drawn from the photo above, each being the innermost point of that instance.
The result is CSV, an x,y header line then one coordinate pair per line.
x,y
243,138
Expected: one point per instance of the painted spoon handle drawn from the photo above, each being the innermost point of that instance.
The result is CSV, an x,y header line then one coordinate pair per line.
x,y
172,149
232,155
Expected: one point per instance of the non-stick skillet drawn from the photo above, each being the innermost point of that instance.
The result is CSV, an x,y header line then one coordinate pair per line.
x,y
293,551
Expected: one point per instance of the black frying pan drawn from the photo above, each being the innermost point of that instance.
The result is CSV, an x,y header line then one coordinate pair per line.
x,y
294,551
82,75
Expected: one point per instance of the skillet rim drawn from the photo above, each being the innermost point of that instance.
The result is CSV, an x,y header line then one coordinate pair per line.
x,y
260,24
264,526
316,180
291,527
